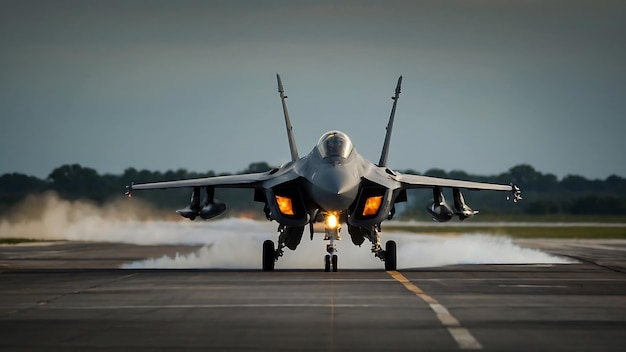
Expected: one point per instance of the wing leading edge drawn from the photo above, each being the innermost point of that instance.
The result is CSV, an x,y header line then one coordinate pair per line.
x,y
416,181
231,181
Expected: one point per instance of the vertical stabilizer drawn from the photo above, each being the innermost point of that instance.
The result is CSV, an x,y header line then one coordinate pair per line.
x,y
385,152
292,140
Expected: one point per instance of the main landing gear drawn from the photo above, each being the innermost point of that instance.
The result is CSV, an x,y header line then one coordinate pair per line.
x,y
387,255
269,258
391,256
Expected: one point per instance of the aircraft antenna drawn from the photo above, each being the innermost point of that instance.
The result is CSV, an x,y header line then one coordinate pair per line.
x,y
292,140
385,152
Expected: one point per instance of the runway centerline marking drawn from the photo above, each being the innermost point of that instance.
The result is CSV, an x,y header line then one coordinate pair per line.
x,y
461,335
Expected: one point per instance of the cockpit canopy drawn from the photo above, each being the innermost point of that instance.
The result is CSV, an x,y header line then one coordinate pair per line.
x,y
334,144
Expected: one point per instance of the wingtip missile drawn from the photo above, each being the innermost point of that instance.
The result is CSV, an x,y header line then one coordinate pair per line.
x,y
129,190
516,193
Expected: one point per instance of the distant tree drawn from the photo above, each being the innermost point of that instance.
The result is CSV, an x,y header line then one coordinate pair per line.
x,y
543,193
543,207
74,181
459,175
616,185
575,183
16,184
15,187
529,179
410,172
597,204
436,173
258,167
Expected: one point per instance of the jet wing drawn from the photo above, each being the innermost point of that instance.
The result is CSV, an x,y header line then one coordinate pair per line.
x,y
416,181
232,181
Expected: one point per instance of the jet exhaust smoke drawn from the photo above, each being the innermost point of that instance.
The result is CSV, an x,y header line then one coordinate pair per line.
x,y
243,250
236,243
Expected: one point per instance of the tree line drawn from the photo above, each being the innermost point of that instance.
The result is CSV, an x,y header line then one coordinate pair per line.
x,y
544,194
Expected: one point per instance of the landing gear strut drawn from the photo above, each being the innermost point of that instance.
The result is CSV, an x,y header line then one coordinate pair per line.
x,y
271,254
290,237
388,255
331,233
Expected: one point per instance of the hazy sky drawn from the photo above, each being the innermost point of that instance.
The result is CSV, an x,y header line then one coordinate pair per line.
x,y
191,84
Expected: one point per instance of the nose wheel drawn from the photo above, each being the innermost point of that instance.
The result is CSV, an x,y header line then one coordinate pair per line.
x,y
330,262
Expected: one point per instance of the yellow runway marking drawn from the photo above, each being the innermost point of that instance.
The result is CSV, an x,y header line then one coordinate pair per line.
x,y
461,335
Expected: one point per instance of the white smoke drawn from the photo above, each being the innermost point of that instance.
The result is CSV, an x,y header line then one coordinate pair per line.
x,y
47,217
237,243
243,250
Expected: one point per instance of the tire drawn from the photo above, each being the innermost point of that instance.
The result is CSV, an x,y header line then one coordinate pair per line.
x,y
268,255
327,263
334,263
391,261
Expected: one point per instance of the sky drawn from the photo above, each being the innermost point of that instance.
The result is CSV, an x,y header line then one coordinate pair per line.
x,y
162,85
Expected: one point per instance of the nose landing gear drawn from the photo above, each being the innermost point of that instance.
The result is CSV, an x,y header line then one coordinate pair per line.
x,y
331,233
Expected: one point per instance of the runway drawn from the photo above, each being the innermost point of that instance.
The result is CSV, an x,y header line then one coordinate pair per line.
x,y
70,296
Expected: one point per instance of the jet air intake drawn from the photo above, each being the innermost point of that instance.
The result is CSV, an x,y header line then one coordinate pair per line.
x,y
374,204
285,204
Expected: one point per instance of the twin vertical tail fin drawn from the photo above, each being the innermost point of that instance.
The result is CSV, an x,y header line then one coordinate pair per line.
x,y
385,152
292,140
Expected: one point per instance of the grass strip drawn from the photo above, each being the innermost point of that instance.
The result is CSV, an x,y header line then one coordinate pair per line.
x,y
583,232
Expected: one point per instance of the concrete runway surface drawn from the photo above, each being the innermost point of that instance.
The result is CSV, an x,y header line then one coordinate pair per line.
x,y
69,296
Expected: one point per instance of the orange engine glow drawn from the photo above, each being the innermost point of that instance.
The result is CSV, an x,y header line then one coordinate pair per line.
x,y
284,205
372,204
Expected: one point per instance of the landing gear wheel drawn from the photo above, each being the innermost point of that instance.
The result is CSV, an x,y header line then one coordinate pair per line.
x,y
327,263
268,255
391,262
334,263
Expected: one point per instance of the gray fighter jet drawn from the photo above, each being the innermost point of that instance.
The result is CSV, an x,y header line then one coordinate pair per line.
x,y
333,185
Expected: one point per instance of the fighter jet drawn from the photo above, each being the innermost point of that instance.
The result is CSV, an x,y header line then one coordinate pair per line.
x,y
334,185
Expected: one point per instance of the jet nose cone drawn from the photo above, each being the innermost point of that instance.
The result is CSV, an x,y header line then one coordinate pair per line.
x,y
335,189
336,183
